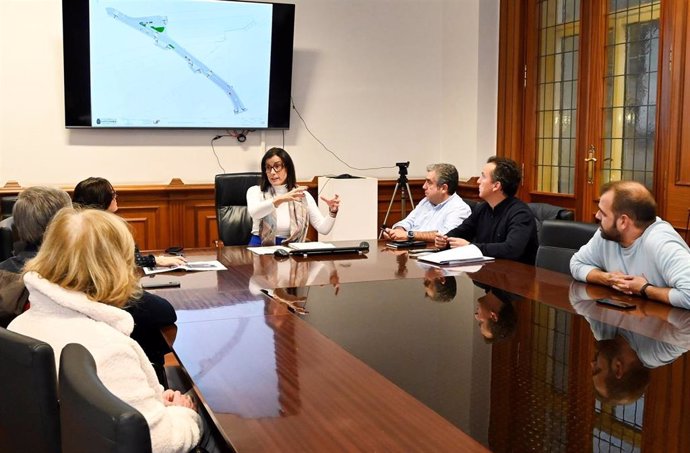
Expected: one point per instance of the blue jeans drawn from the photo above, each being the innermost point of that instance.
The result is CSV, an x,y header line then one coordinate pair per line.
x,y
255,241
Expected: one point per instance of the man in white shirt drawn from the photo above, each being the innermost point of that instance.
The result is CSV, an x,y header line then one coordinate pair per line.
x,y
439,212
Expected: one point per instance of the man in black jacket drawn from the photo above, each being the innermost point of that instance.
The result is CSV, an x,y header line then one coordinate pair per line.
x,y
502,226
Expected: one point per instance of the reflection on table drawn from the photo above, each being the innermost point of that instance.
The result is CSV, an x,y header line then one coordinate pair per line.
x,y
380,364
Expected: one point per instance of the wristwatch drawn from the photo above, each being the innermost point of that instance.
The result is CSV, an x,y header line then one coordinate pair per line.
x,y
643,290
410,235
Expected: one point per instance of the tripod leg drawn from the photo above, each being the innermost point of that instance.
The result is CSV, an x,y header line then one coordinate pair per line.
x,y
388,211
409,193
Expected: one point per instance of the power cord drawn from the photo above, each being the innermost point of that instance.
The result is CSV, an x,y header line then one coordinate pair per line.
x,y
213,147
238,134
294,107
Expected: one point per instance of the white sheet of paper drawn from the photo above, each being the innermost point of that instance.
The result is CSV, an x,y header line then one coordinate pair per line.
x,y
268,250
190,266
310,245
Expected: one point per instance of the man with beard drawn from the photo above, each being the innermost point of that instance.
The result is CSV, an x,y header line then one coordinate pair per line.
x,y
634,251
618,374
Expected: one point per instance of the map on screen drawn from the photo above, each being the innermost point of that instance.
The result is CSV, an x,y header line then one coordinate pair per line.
x,y
179,63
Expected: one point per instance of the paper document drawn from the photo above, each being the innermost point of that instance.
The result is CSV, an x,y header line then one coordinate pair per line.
x,y
310,245
458,256
268,250
191,266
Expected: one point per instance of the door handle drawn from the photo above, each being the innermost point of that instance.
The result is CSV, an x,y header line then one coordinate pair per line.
x,y
590,161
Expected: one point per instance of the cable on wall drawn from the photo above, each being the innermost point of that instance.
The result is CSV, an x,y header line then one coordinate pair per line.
x,y
294,107
213,147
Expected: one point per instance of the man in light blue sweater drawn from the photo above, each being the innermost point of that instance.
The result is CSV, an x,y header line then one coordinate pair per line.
x,y
634,251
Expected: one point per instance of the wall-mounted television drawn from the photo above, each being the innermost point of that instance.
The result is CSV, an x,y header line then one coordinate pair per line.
x,y
210,64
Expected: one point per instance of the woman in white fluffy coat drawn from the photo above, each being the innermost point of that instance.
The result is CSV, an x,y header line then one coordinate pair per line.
x,y
82,275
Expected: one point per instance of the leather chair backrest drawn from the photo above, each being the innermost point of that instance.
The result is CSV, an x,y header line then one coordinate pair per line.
x,y
92,418
234,221
558,242
7,238
545,211
7,205
29,413
471,203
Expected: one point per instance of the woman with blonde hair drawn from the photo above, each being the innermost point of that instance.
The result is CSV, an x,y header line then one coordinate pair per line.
x,y
82,276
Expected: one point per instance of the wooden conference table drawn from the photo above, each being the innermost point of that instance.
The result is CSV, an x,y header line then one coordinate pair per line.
x,y
379,362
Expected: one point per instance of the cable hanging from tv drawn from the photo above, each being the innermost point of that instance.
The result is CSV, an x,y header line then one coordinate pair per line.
x,y
154,27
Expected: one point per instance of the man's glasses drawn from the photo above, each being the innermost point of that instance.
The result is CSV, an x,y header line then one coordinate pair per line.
x,y
278,167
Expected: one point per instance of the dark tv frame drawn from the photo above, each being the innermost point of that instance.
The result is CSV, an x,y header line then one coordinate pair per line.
x,y
77,61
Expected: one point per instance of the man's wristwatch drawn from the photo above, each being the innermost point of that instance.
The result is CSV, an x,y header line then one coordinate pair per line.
x,y
643,290
410,235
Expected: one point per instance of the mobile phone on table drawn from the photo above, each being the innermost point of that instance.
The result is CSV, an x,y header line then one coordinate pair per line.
x,y
157,284
619,304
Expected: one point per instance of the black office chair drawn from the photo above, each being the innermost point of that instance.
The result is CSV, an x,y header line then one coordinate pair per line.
x,y
545,211
92,418
558,242
7,205
7,238
29,417
234,221
471,203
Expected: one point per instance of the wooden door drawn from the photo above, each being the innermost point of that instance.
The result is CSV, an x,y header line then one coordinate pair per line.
x,y
589,103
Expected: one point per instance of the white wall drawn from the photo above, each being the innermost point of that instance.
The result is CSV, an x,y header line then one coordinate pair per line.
x,y
378,81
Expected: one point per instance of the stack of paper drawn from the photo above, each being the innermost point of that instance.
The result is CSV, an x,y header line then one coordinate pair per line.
x,y
190,266
267,250
456,257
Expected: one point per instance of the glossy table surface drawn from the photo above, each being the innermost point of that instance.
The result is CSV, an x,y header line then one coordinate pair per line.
x,y
386,355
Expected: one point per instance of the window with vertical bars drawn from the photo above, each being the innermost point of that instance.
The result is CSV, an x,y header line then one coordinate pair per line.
x,y
618,428
632,56
544,386
557,95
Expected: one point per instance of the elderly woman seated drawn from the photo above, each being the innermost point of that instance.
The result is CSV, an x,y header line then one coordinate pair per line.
x,y
82,276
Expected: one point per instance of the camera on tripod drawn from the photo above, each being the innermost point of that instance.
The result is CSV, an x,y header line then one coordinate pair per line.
x,y
405,193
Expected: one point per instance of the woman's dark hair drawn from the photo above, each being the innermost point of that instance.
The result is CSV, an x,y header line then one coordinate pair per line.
x,y
94,193
290,181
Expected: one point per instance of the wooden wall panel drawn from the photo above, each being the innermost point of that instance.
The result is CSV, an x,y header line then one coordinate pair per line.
x,y
668,403
149,225
206,226
510,127
674,128
184,214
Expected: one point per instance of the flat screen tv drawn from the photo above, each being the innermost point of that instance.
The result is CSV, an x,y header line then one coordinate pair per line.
x,y
210,64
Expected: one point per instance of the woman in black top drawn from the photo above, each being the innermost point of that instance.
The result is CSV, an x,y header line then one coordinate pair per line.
x,y
150,312
98,193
